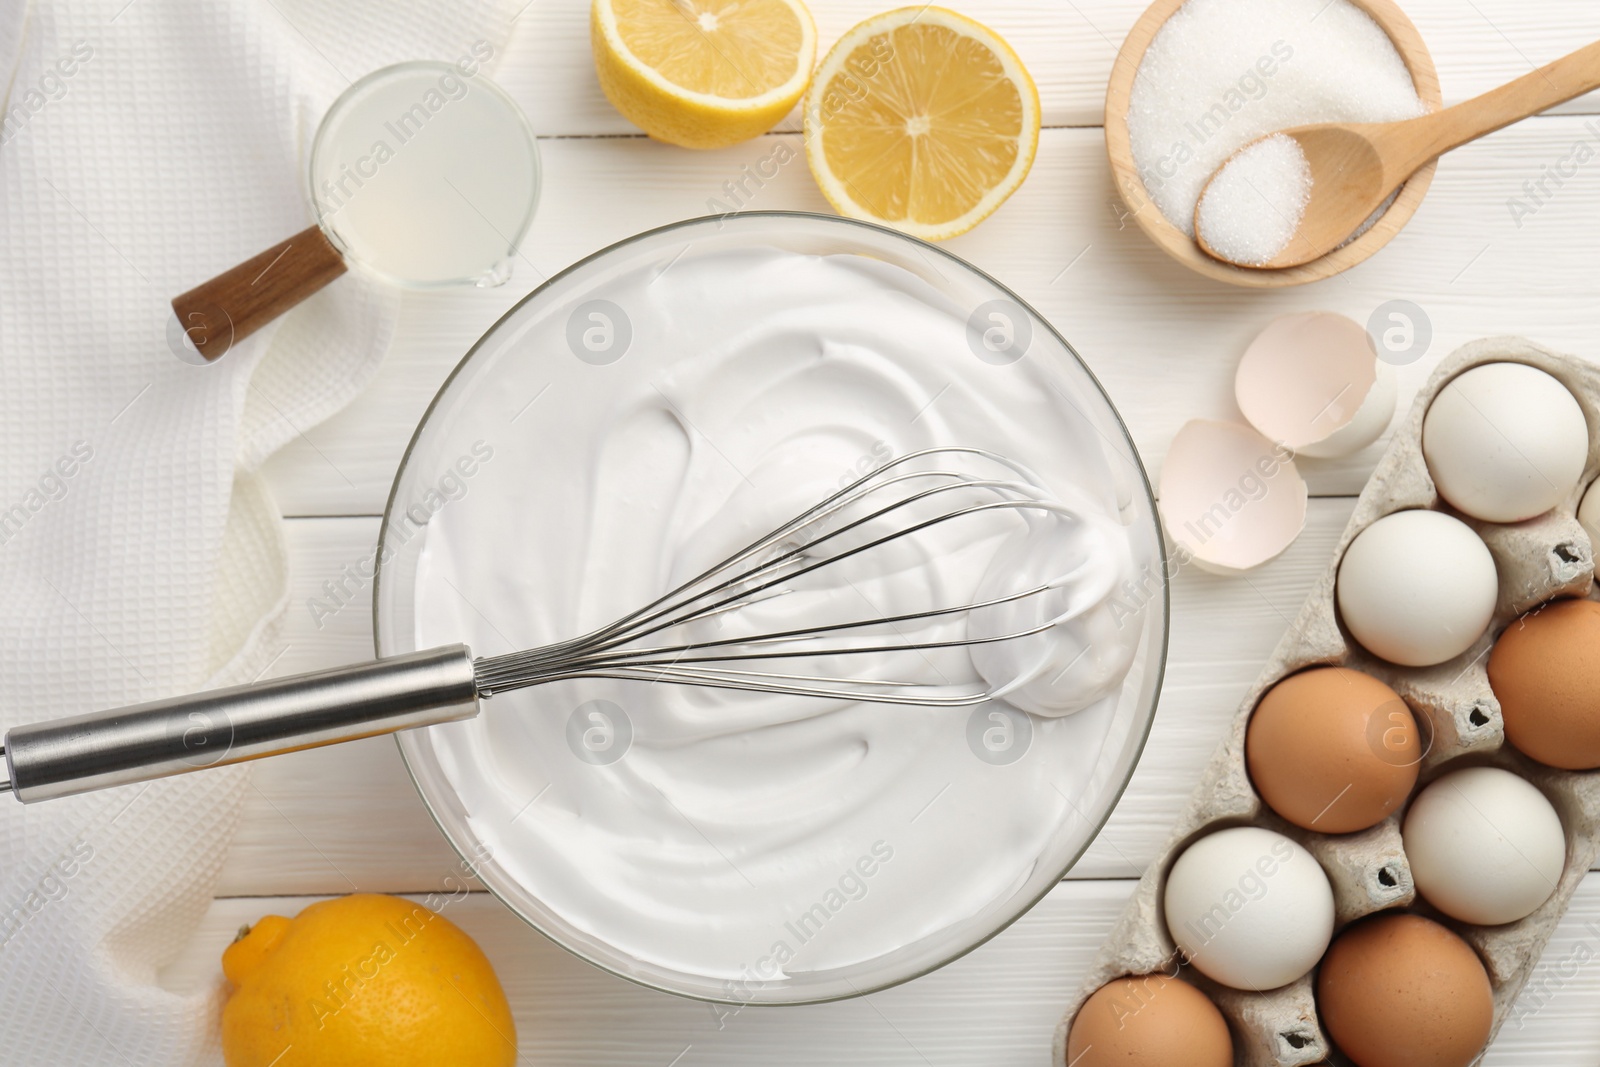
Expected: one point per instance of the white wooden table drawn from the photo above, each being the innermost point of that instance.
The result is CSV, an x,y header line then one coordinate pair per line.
x,y
1164,343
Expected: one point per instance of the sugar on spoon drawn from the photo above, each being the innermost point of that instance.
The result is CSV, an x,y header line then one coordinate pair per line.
x,y
1355,166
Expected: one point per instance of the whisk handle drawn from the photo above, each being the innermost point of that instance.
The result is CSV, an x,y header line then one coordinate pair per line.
x,y
223,726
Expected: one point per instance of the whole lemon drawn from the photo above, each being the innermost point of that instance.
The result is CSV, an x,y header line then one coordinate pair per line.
x,y
363,981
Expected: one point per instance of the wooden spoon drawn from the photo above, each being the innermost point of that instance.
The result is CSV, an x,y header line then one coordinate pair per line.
x,y
1356,166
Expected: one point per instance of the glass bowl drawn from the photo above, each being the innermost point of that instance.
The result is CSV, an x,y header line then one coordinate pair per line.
x,y
506,372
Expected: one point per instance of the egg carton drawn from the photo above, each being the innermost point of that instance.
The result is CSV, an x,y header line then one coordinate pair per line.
x,y
1536,560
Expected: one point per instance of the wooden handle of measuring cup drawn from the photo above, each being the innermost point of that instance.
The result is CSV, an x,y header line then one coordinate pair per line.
x,y
236,303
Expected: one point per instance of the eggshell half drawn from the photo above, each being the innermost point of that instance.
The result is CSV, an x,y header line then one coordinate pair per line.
x,y
1312,382
1230,498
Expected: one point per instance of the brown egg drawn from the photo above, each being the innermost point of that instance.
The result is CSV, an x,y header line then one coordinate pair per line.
x,y
1149,1021
1399,990
1545,670
1333,750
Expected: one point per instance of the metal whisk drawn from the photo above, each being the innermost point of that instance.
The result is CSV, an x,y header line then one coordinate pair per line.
x,y
863,521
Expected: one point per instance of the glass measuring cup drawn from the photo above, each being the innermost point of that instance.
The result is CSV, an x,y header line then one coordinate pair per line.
x,y
424,174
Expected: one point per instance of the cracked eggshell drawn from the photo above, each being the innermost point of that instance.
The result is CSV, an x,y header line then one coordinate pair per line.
x,y
1368,869
1313,383
1230,498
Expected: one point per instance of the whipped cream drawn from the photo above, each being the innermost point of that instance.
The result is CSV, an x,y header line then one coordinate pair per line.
x,y
755,839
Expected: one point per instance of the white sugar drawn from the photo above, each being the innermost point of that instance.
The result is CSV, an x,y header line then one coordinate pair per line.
x,y
1222,73
1251,209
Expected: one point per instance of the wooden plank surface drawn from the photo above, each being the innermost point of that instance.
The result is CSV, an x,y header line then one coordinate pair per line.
x,y
334,819
997,1006
1162,340
1067,45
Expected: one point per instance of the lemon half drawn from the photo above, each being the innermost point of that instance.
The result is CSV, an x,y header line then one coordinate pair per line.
x,y
921,119
703,73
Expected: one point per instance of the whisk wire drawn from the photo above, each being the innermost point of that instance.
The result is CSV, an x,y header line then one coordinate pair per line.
x,y
750,576
872,481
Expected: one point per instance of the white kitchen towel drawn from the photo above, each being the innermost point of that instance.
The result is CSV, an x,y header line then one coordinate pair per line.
x,y
144,146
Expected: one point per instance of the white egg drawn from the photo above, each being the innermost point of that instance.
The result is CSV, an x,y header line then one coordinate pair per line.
x,y
1505,442
1417,588
1485,846
1249,908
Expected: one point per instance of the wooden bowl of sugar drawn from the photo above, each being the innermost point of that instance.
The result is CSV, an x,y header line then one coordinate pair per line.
x,y
1193,114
